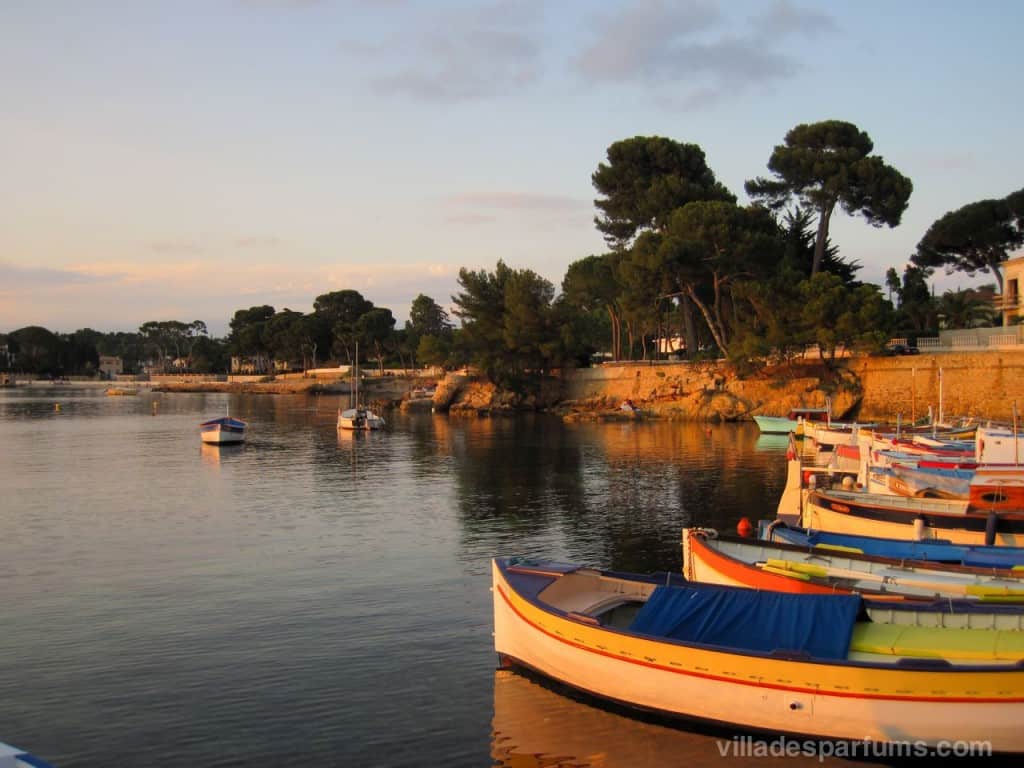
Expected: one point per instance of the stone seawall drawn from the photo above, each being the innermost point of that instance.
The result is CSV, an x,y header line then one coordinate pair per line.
x,y
980,384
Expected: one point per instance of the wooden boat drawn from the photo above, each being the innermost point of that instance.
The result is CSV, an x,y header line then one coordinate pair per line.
x,y
902,517
791,422
927,551
12,757
787,663
759,564
224,430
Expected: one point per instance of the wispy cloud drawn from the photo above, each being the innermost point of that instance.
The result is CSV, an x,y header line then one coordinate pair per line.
x,y
258,241
469,54
695,47
175,246
518,201
15,278
542,210
121,295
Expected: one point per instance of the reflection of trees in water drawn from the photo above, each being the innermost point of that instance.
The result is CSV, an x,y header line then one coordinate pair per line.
x,y
614,495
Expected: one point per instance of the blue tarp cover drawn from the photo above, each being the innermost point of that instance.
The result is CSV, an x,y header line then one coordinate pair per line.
x,y
749,620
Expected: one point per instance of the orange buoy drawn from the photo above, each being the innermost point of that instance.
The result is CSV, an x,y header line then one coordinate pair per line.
x,y
745,528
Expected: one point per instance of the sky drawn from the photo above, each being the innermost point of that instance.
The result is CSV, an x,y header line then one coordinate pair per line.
x,y
181,160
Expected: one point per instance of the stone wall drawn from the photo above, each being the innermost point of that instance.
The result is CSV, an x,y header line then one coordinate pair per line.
x,y
980,384
709,391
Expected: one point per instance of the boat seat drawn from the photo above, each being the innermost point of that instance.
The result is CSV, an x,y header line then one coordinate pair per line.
x,y
937,642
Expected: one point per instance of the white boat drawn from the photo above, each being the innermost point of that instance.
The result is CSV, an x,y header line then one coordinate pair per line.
x,y
224,430
12,757
358,417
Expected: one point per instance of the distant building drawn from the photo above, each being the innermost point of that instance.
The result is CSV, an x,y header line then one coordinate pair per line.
x,y
1013,280
111,366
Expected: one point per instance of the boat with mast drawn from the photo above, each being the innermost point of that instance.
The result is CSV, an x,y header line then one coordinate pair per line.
x,y
358,417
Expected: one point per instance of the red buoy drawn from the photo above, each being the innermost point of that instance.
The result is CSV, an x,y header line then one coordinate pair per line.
x,y
745,528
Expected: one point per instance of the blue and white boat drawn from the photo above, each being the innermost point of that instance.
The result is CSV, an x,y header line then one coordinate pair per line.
x,y
12,757
931,551
225,430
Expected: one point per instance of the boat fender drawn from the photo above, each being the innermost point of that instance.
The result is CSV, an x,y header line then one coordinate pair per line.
x,y
744,527
991,523
919,527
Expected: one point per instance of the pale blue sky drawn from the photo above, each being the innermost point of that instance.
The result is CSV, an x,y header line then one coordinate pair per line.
x,y
181,160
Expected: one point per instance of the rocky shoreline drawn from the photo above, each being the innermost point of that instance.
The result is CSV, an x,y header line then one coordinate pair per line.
x,y
981,384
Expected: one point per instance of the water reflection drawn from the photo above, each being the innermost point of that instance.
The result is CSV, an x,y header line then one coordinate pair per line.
x,y
615,494
538,726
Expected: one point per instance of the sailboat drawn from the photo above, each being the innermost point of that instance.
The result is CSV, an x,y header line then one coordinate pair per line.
x,y
358,417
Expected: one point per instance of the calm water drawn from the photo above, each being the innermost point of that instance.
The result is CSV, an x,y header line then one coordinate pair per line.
x,y
318,596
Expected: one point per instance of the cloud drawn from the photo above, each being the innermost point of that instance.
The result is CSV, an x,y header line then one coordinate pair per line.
x,y
175,246
121,295
258,241
694,47
518,201
15,278
784,18
468,54
547,212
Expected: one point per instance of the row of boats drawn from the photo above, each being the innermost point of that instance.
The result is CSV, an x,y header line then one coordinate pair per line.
x,y
869,608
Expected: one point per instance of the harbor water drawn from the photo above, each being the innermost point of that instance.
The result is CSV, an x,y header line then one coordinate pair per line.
x,y
322,598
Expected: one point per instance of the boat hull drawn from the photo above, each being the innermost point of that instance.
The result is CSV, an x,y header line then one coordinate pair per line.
x,y
864,517
775,425
757,692
224,431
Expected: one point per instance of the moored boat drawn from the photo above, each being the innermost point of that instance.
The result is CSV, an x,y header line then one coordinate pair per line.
x,y
359,419
788,663
760,564
904,517
225,430
791,422
899,549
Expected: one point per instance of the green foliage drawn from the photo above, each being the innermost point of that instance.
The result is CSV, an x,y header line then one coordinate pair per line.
x,y
248,334
375,329
835,315
824,164
969,308
917,309
434,350
510,326
974,238
340,311
645,179
590,287
426,318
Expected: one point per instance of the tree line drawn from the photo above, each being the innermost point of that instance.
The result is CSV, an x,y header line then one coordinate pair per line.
x,y
686,264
